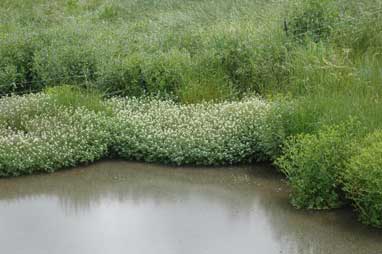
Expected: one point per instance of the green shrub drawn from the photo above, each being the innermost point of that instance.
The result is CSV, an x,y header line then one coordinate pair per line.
x,y
277,126
10,79
237,59
66,60
251,63
313,19
165,72
313,164
289,116
363,180
16,60
140,74
122,76
271,59
205,80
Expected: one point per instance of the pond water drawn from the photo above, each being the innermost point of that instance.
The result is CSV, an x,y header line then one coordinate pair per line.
x,y
123,207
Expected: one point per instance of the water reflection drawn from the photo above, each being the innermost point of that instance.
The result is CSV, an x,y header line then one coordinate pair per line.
x,y
121,207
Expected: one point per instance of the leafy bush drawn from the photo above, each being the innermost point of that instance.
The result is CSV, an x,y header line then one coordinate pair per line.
x,y
251,62
9,78
206,81
277,126
65,60
237,59
326,63
16,60
164,72
363,180
288,116
140,74
122,76
313,164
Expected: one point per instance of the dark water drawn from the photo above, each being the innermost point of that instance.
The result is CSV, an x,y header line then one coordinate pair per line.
x,y
121,207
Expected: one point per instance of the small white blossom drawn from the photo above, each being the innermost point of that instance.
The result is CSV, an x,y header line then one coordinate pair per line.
x,y
36,134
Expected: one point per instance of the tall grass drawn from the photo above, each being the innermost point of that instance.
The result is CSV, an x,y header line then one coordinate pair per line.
x,y
141,47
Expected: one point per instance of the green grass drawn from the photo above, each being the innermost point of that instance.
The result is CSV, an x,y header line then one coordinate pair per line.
x,y
74,97
139,47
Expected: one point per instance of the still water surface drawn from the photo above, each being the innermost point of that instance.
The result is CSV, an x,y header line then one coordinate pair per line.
x,y
123,207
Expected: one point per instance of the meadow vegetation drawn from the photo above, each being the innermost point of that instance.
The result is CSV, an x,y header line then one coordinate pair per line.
x,y
295,82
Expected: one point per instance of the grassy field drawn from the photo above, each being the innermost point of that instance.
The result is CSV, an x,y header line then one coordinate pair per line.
x,y
294,82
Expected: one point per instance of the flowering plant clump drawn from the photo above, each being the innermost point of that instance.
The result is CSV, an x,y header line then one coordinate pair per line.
x,y
38,133
40,136
202,134
16,110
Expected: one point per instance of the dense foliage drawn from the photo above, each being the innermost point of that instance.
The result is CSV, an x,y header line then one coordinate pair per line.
x,y
38,135
42,132
191,50
205,134
134,48
315,63
363,180
313,164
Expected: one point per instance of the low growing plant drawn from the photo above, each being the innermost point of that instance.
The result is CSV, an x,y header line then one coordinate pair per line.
x,y
207,134
46,136
59,128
